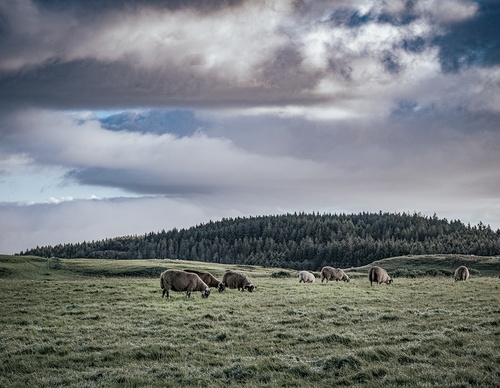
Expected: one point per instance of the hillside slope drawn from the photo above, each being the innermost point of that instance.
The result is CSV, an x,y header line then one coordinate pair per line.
x,y
37,268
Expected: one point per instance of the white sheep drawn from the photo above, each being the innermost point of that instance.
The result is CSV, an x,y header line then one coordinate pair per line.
x,y
306,277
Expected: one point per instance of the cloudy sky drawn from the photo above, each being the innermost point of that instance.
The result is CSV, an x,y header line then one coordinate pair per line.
x,y
127,117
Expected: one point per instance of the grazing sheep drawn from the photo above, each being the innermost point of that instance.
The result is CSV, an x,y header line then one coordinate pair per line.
x,y
176,280
208,278
237,280
306,277
330,273
379,275
461,273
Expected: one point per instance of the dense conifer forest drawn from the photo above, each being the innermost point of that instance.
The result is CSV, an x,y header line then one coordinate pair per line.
x,y
295,241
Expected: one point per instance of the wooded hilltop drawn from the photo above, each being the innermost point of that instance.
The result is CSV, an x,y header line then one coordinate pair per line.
x,y
296,241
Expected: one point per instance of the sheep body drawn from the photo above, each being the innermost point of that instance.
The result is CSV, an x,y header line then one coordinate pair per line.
x,y
241,281
379,275
306,277
208,278
330,273
175,280
461,273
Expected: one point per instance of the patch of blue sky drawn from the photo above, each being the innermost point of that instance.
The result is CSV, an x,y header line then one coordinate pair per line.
x,y
30,187
102,114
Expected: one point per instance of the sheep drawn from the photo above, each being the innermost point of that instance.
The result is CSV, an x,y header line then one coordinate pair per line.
x,y
306,277
237,280
330,273
176,280
379,275
208,278
461,273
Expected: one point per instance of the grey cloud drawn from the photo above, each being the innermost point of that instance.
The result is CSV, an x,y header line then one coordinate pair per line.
x,y
68,69
25,227
283,72
142,182
415,146
147,162
97,85
114,5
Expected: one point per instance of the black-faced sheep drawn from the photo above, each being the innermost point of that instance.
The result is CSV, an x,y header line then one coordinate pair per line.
x,y
176,280
237,280
330,273
461,273
379,275
208,278
306,277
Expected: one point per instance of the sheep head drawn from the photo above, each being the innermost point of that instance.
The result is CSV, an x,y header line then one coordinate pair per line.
x,y
205,293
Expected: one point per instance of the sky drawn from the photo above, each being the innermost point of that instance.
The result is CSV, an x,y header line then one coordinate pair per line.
x,y
128,117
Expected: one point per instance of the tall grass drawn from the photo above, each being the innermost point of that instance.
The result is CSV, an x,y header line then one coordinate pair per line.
x,y
63,330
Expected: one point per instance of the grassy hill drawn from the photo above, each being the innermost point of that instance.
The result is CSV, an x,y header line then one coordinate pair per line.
x,y
38,268
33,267
432,265
80,322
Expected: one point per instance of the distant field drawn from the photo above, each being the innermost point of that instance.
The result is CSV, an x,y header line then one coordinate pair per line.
x,y
104,323
435,265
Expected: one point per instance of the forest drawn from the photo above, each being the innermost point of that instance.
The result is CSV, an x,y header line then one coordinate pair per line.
x,y
295,241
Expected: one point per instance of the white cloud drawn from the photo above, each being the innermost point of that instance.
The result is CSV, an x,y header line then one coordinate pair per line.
x,y
227,42
153,160
56,200
25,227
447,11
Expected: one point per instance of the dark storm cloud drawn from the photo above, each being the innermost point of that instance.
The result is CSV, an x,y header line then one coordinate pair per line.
x,y
140,182
93,84
94,6
129,55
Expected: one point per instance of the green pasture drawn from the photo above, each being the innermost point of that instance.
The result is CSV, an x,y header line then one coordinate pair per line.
x,y
96,323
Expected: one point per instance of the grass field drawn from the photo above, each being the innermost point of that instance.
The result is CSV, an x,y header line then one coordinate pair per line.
x,y
94,323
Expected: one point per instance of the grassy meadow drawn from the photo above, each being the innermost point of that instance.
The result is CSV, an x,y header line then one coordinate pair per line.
x,y
94,323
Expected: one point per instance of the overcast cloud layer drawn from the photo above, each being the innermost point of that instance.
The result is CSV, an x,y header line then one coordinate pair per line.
x,y
127,117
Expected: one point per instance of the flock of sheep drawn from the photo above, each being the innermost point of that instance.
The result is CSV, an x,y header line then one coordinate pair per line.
x,y
190,280
376,274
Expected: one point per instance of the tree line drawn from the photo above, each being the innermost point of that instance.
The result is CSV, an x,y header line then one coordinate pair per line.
x,y
295,241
